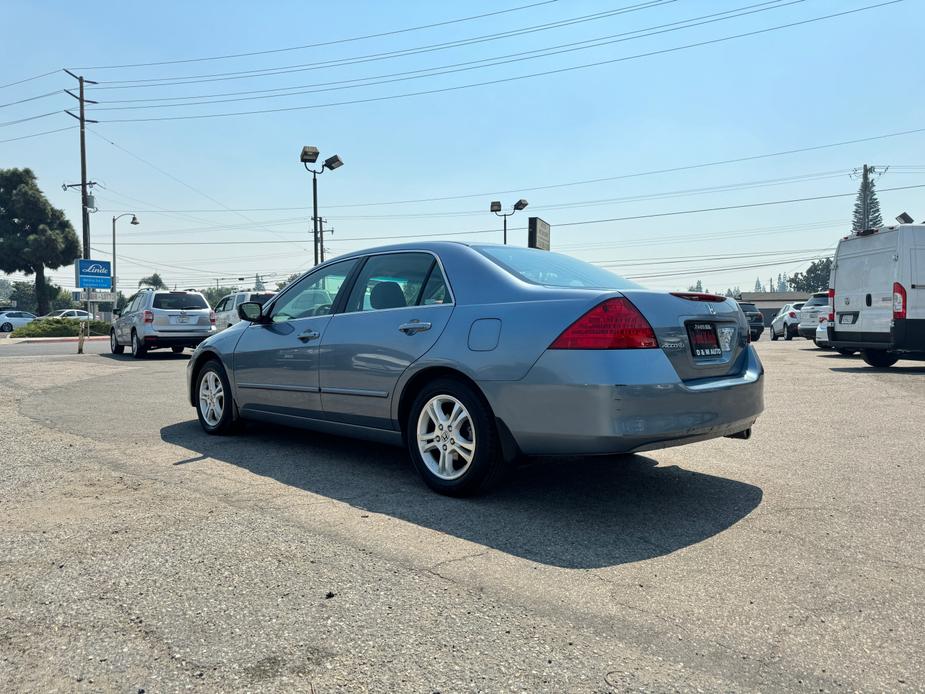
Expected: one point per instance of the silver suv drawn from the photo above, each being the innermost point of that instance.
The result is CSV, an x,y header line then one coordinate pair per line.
x,y
153,319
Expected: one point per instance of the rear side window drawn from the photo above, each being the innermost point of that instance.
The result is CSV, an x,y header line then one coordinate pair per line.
x,y
395,280
179,301
553,269
261,298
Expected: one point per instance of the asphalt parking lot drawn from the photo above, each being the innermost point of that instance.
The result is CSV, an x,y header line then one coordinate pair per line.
x,y
140,554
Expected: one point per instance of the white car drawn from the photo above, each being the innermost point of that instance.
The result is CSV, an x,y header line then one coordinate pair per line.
x,y
226,310
72,313
814,310
822,338
785,323
10,320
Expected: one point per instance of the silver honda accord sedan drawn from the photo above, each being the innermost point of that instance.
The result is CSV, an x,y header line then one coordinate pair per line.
x,y
473,355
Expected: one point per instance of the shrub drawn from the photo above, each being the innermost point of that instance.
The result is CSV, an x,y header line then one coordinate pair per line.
x,y
59,327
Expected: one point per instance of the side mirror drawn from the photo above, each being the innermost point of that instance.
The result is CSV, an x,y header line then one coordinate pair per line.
x,y
250,311
117,312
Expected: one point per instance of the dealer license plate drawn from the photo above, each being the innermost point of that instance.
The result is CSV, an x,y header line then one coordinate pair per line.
x,y
704,342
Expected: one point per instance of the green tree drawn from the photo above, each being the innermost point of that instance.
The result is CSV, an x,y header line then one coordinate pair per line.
x,y
6,290
815,279
758,286
215,294
874,219
282,283
153,280
33,234
697,287
733,291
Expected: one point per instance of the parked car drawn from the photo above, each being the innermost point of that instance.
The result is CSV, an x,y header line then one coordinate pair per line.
x,y
815,307
784,324
226,310
877,294
822,338
154,319
470,355
72,313
755,319
10,320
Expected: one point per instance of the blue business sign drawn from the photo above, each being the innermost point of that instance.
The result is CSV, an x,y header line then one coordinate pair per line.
x,y
95,274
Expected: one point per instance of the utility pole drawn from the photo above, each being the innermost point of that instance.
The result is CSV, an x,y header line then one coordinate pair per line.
x,y
321,232
84,193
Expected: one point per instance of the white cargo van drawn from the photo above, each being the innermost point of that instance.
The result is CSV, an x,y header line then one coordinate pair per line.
x,y
877,294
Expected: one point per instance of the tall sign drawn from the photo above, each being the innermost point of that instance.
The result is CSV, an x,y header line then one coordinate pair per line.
x,y
537,234
93,274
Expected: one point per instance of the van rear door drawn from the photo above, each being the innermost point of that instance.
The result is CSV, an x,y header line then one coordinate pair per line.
x,y
865,269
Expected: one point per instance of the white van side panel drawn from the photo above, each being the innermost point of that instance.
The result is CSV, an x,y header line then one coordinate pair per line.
x,y
915,289
865,269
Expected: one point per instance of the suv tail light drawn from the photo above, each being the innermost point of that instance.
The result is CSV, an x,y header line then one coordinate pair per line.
x,y
212,316
831,305
899,301
613,324
148,316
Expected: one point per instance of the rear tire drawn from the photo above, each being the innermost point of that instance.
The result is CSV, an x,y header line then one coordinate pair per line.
x,y
879,358
773,335
176,350
788,333
114,345
139,351
6,328
449,421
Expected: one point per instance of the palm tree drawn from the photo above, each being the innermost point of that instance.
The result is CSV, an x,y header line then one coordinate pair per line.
x,y
153,281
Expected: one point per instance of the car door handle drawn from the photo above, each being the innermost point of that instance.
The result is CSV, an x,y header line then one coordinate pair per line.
x,y
309,335
414,327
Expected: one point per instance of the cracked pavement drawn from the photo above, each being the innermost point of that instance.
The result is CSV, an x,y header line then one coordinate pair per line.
x,y
139,553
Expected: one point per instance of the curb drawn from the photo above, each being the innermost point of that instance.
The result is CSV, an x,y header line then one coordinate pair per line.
x,y
46,340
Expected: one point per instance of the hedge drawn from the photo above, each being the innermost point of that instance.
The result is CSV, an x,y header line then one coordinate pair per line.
x,y
59,327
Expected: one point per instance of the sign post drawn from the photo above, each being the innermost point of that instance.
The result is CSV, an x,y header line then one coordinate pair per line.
x,y
537,234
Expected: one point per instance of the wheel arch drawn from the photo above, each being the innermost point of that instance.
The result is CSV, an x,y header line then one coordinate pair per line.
x,y
422,377
200,360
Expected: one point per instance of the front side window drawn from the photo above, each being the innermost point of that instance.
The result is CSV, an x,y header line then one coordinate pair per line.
x,y
314,294
221,305
394,280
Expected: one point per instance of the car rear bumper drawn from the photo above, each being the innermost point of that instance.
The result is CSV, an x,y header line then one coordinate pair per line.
x,y
574,403
807,331
154,341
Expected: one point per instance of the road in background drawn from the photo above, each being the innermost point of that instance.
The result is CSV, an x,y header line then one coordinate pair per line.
x,y
140,553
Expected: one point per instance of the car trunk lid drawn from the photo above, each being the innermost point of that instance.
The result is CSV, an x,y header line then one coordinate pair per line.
x,y
703,335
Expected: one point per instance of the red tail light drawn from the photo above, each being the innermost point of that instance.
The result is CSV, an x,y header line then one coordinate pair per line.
x,y
899,301
792,314
149,316
613,324
212,317
831,305
699,296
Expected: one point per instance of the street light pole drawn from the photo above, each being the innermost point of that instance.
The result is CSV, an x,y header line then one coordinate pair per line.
x,y
134,221
310,156
496,208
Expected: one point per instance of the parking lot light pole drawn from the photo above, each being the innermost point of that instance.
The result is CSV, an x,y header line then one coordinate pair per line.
x,y
135,222
310,156
496,208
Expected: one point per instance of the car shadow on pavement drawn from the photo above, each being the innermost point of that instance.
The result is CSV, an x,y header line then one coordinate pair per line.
x,y
571,513
896,369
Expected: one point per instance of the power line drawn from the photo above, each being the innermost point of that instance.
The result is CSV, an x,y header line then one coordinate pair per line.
x,y
32,98
374,57
324,43
557,224
29,118
29,79
376,80
510,79
46,132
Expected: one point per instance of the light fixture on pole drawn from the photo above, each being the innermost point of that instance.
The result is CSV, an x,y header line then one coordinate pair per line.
x,y
310,156
496,208
134,222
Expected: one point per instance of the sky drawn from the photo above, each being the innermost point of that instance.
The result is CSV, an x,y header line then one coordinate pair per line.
x,y
639,101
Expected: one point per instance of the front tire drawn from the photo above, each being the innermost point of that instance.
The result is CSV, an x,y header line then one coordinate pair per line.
x,y
773,334
452,439
879,358
788,333
214,403
114,345
139,351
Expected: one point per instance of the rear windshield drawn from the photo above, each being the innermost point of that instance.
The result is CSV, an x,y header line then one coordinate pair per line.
x,y
553,269
798,306
818,301
261,298
179,301
749,307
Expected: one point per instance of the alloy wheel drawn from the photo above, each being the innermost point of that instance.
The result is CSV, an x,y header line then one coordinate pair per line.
x,y
446,437
211,398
